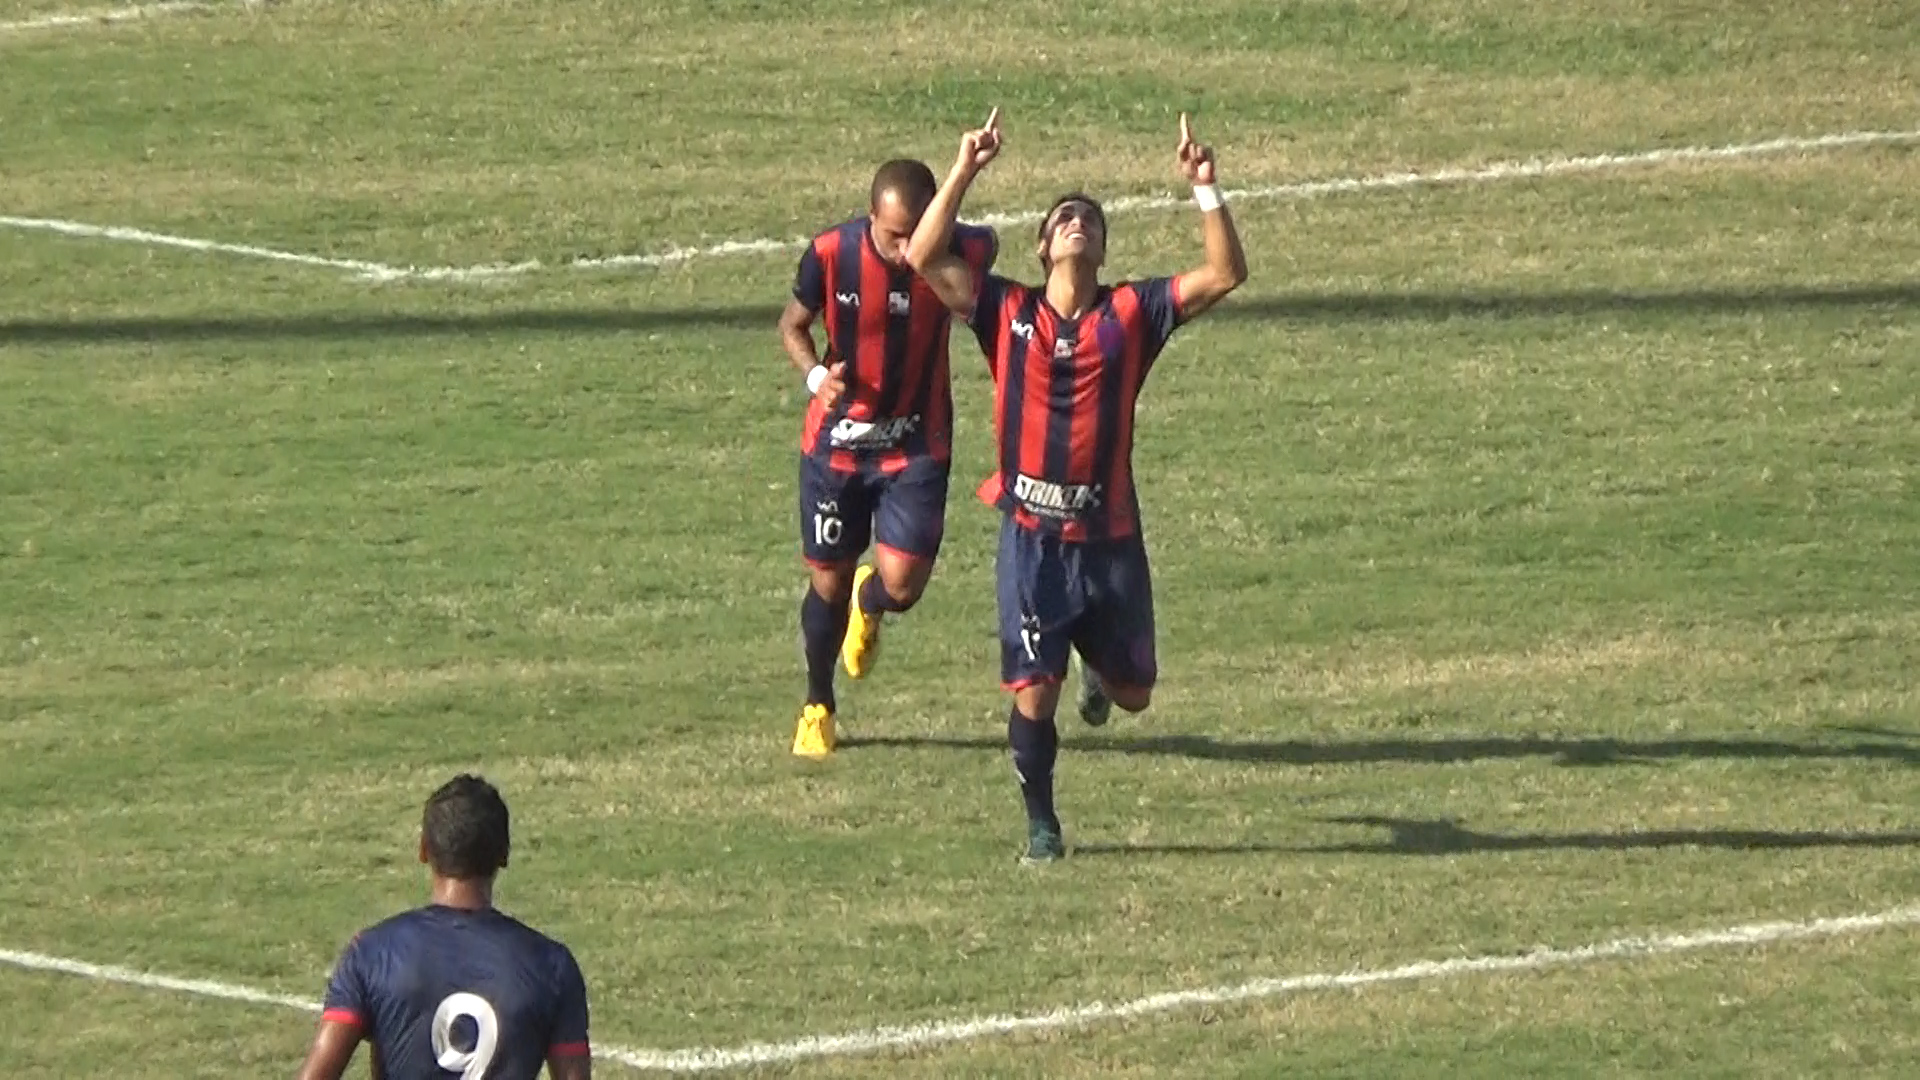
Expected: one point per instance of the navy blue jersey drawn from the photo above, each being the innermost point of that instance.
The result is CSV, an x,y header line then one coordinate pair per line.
x,y
445,992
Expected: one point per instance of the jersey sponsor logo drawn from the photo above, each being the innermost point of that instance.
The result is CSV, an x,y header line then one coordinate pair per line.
x,y
899,303
850,434
1062,348
1022,329
850,299
1045,498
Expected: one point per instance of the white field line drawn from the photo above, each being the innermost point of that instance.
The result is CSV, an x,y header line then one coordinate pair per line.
x,y
154,239
116,15
1512,170
923,1036
108,973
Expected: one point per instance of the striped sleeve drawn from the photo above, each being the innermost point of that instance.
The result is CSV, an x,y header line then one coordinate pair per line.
x,y
1159,315
978,246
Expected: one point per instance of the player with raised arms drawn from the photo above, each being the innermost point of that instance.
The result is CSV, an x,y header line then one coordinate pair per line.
x,y
1069,357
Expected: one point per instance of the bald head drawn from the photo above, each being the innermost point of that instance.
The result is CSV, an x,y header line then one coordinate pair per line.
x,y
904,181
901,191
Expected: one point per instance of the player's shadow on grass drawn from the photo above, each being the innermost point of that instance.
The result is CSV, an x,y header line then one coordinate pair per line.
x,y
1325,307
356,326
1411,836
1439,751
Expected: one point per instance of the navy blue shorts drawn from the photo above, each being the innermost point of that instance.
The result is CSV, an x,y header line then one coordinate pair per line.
x,y
843,513
1094,597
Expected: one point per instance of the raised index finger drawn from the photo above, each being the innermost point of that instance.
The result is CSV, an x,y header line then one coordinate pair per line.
x,y
993,119
1186,130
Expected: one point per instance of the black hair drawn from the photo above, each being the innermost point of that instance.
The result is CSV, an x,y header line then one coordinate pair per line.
x,y
465,829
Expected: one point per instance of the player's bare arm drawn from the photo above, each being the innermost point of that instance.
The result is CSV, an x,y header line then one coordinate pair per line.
x,y
570,1067
931,251
1226,265
796,334
333,1047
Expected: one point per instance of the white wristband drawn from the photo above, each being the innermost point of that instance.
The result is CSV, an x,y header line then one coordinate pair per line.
x,y
815,377
1208,196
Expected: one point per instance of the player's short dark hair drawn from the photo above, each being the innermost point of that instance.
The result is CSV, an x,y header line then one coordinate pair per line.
x,y
465,829
1099,214
909,179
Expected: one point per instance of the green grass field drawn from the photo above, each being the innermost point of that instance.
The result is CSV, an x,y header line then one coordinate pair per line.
x,y
1538,561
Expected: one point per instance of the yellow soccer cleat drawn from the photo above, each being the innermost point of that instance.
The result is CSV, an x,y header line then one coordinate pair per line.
x,y
813,738
862,643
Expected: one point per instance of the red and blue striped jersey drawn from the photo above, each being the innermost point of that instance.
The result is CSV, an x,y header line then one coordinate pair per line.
x,y
1064,393
891,330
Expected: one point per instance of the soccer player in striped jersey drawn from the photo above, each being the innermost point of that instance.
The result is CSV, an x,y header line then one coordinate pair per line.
x,y
1068,359
878,438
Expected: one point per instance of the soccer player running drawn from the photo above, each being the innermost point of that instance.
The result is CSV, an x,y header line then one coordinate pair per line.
x,y
1068,359
878,438
456,988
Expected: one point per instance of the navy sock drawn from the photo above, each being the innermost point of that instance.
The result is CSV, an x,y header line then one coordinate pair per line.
x,y
1036,745
875,599
823,625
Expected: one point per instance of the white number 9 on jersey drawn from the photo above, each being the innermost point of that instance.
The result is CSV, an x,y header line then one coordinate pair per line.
x,y
470,1064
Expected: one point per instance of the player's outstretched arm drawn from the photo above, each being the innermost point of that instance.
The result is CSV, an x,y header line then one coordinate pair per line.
x,y
332,1052
1226,265
579,1067
931,249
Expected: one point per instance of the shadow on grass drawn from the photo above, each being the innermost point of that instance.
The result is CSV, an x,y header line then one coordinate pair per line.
x,y
1440,751
1413,836
1332,308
